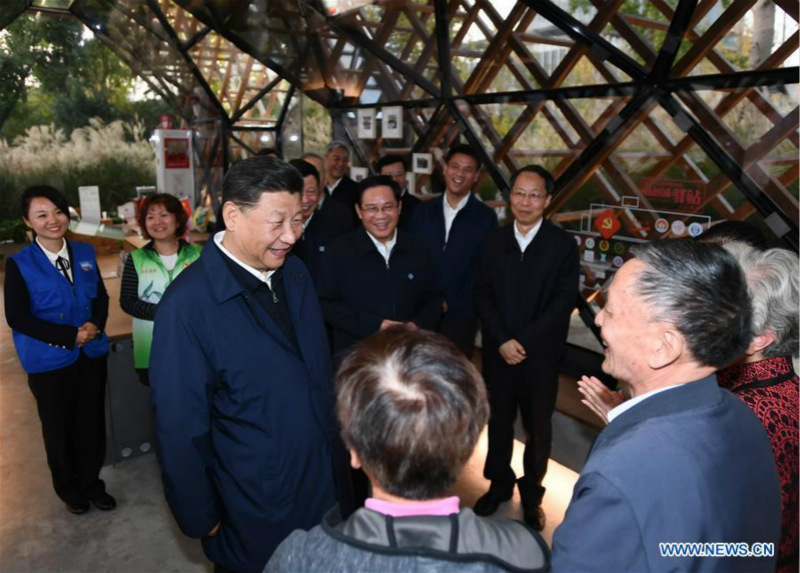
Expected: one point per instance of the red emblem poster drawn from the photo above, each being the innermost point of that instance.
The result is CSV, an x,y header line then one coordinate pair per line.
x,y
607,224
176,153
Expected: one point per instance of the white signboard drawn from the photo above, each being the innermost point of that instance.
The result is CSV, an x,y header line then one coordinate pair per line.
x,y
90,204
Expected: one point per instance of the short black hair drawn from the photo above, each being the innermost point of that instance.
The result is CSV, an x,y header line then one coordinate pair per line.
x,y
701,290
305,168
463,149
249,178
412,407
172,204
379,181
740,231
268,151
549,182
46,191
390,160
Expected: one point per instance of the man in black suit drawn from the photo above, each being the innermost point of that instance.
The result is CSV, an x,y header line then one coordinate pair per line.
x,y
323,220
395,167
378,276
338,185
526,291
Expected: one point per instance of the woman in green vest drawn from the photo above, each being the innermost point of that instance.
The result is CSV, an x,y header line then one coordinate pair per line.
x,y
149,270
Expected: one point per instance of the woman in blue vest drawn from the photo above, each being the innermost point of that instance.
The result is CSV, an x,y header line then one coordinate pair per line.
x,y
56,305
150,270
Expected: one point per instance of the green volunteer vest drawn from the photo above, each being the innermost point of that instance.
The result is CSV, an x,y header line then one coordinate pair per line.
x,y
154,278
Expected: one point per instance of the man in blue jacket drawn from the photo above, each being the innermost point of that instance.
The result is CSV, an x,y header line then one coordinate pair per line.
x,y
454,227
377,275
241,379
682,478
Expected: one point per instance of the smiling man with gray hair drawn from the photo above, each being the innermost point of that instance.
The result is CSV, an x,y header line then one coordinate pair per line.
x,y
682,478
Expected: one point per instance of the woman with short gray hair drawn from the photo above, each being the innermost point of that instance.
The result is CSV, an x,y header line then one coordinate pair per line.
x,y
411,408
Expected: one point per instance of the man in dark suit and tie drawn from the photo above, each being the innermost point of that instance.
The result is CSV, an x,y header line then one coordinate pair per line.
x,y
395,167
682,478
323,220
527,287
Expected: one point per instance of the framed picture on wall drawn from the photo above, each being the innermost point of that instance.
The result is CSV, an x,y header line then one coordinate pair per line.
x,y
358,173
366,123
422,163
392,124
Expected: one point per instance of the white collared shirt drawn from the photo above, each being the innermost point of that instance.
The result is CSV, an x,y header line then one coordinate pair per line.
x,y
450,213
630,403
385,249
331,188
524,240
263,276
53,257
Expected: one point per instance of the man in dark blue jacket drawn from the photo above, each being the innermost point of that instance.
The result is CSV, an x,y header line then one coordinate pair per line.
x,y
241,379
682,478
454,227
324,220
378,275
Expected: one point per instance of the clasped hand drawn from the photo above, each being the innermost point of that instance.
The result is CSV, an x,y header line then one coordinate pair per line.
x,y
86,333
512,352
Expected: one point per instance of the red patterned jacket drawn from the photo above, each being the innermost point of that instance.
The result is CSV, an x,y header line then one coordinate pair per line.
x,y
769,387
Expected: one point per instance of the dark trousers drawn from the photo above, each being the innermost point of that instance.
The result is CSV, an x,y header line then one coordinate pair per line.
x,y
533,391
71,406
144,376
461,332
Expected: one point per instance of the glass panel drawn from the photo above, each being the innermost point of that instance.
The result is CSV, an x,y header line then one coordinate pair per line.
x,y
316,126
184,24
293,129
763,36
273,32
132,32
10,10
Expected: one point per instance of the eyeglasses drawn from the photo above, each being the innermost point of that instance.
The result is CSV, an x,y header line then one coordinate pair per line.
x,y
375,209
532,196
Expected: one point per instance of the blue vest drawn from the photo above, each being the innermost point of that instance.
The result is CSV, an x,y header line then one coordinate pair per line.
x,y
54,300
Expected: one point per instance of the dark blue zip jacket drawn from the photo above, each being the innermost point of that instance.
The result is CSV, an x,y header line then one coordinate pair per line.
x,y
359,289
244,418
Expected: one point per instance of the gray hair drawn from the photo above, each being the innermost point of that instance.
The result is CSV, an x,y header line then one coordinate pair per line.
x,y
773,277
701,290
312,154
337,144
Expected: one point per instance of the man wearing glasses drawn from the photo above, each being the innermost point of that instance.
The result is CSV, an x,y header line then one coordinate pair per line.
x,y
377,276
526,290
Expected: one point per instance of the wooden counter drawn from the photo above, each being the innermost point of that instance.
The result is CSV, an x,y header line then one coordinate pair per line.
x,y
119,324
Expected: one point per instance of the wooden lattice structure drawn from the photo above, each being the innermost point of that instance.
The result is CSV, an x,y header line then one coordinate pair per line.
x,y
639,107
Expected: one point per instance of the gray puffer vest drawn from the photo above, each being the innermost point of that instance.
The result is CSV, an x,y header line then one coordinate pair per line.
x,y
373,542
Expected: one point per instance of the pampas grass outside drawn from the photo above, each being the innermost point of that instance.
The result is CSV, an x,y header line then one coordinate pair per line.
x,y
117,157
